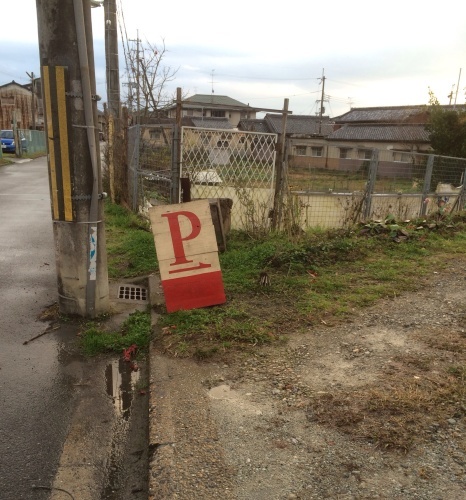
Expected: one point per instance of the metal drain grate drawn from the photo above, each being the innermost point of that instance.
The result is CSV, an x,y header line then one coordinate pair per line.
x,y
131,292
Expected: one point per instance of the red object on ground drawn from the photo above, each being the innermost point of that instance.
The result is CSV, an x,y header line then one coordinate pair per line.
x,y
127,353
194,291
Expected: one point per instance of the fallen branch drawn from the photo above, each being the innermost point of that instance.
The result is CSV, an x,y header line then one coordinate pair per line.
x,y
47,330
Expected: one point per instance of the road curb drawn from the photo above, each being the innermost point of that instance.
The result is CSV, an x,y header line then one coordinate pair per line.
x,y
186,457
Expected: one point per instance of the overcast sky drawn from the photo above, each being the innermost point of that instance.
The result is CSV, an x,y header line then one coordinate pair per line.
x,y
373,53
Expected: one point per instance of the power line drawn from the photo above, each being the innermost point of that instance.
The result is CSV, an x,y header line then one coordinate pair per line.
x,y
249,77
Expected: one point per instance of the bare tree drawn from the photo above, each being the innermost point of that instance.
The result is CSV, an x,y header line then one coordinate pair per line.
x,y
148,78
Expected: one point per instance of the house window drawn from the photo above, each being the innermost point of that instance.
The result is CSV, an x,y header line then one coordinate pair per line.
x,y
316,150
155,134
190,112
301,150
217,113
364,154
402,157
345,153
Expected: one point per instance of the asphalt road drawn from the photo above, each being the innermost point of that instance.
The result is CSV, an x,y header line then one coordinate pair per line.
x,y
35,389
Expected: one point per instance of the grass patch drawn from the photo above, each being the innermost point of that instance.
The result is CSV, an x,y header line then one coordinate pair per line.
x,y
130,243
5,161
317,276
136,330
320,276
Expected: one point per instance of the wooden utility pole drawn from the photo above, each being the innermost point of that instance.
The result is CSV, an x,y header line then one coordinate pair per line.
x,y
68,81
138,76
278,195
176,152
33,102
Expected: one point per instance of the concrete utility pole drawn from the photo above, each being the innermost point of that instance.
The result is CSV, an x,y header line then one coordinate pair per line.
x,y
115,162
111,58
322,102
68,82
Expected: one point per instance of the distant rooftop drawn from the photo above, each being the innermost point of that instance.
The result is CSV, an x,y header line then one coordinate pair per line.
x,y
381,133
387,114
213,100
300,124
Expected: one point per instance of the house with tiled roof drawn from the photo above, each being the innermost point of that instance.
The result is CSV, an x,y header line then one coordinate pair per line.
x,y
386,114
395,131
305,134
214,106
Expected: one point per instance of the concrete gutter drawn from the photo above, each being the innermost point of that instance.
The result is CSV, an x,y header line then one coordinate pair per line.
x,y
186,459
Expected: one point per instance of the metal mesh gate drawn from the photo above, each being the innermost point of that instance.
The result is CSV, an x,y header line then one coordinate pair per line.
x,y
235,165
149,162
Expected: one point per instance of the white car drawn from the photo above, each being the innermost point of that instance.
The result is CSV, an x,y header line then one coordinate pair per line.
x,y
207,177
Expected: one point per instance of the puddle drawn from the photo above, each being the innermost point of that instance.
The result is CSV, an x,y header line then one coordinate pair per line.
x,y
121,382
128,463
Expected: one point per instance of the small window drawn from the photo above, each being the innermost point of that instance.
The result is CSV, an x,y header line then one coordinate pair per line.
x,y
345,153
301,150
190,112
217,113
364,154
317,150
155,134
402,157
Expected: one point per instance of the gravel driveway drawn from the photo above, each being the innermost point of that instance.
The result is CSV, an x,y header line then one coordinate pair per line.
x,y
360,409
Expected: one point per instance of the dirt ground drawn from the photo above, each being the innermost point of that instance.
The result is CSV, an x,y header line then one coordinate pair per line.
x,y
373,408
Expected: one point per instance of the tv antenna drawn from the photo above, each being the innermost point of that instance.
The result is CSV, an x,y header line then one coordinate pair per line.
x,y
212,79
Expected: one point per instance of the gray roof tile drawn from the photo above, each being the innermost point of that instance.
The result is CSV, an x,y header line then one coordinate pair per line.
x,y
388,114
212,99
381,133
299,124
253,126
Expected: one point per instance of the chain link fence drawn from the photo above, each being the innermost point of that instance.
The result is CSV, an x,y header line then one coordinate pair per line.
x,y
337,189
334,187
149,164
235,165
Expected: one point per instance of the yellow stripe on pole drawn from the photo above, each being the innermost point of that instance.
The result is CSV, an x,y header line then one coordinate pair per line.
x,y
64,149
50,141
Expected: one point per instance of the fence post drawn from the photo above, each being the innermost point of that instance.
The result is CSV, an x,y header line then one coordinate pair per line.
x,y
371,183
427,181
176,152
278,195
135,166
461,198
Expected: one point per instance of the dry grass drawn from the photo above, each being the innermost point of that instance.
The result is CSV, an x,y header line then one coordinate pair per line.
x,y
415,396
